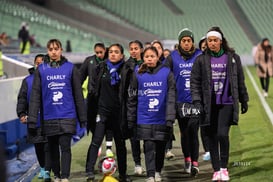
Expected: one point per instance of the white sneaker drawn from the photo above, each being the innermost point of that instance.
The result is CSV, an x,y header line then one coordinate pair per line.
x,y
216,176
56,179
206,156
158,177
187,167
169,155
150,179
224,174
139,170
65,180
109,153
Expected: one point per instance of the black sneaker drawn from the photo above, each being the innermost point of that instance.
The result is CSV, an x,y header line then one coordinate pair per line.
x,y
124,178
90,177
194,171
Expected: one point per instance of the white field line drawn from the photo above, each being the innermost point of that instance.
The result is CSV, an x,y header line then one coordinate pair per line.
x,y
262,99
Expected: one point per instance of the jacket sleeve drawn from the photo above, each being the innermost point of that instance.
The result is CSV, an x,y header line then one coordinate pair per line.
x,y
169,62
132,99
196,80
78,96
35,100
256,55
94,77
171,111
84,70
243,94
22,103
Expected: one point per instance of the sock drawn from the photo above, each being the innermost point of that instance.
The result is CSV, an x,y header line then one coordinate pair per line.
x,y
188,159
109,144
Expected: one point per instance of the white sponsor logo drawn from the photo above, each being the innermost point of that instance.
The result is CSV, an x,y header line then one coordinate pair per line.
x,y
218,86
152,84
153,102
185,72
151,91
55,77
185,65
187,83
57,96
55,84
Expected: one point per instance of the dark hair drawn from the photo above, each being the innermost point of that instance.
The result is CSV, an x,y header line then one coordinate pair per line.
x,y
136,42
140,46
37,56
54,41
262,43
150,48
224,41
167,50
175,46
161,57
267,48
158,42
147,43
118,45
203,39
99,45
265,39
144,66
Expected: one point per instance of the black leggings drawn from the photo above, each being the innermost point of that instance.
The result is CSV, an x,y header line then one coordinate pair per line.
x,y
265,82
136,151
92,155
169,144
42,154
218,134
205,140
24,43
189,137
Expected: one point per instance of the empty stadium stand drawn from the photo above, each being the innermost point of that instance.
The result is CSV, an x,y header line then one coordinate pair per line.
x,y
85,22
44,27
260,15
155,17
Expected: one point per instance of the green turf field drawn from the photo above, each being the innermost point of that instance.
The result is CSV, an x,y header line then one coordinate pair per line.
x,y
251,149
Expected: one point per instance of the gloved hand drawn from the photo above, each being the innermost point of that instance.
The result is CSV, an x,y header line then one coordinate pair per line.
x,y
198,106
169,124
83,125
244,107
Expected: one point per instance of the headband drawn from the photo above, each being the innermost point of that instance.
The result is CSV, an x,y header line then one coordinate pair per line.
x,y
214,33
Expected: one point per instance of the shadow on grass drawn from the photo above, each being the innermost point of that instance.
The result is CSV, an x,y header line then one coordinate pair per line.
x,y
248,172
253,148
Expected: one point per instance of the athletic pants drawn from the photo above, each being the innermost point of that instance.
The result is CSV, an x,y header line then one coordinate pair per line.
x,y
60,168
189,137
218,133
154,156
107,121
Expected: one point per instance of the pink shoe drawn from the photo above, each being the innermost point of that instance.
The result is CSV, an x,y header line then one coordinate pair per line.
x,y
224,174
216,176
